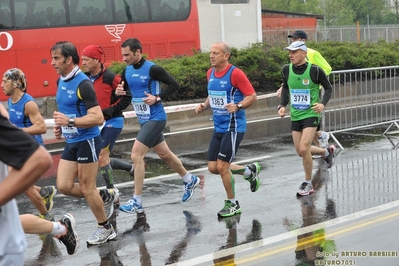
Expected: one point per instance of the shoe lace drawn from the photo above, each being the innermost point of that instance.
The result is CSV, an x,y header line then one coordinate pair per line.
x,y
48,194
131,202
100,232
303,186
111,196
253,175
68,238
227,205
187,186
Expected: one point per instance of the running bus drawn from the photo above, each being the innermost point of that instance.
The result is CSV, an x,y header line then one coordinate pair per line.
x,y
29,28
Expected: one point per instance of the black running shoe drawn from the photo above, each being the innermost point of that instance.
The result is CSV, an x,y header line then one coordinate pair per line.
x,y
253,178
229,209
70,239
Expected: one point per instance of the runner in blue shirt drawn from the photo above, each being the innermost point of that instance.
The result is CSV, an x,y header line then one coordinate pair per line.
x,y
229,94
25,114
144,79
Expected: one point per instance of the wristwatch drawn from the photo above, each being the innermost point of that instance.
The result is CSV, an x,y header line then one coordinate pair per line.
x,y
159,100
239,106
71,122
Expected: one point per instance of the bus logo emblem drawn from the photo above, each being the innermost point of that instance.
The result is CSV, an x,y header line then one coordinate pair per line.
x,y
115,30
10,41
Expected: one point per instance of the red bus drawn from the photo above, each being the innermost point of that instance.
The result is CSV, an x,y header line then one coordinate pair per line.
x,y
29,28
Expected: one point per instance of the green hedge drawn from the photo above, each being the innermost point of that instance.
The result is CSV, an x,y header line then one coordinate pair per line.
x,y
262,63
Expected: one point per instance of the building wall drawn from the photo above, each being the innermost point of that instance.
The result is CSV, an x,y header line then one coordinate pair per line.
x,y
276,27
283,22
239,25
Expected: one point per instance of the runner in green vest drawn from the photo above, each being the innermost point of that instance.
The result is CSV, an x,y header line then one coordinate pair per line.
x,y
314,57
301,82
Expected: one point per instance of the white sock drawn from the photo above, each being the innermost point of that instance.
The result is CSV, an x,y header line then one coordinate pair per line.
x,y
247,171
187,177
58,229
233,200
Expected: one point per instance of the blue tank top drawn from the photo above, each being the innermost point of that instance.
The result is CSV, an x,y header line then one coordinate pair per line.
x,y
220,93
139,81
18,117
72,105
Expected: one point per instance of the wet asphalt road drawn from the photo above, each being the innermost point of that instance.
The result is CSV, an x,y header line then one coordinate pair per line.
x,y
351,217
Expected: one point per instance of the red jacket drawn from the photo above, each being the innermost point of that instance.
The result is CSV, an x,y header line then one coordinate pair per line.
x,y
105,86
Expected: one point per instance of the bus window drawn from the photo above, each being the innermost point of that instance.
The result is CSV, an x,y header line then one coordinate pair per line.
x,y
39,13
169,10
25,15
90,11
182,10
5,14
160,10
131,10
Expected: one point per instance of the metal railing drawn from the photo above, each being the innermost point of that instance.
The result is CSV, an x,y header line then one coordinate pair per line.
x,y
362,98
373,34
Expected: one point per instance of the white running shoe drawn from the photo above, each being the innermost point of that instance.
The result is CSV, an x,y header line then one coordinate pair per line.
x,y
323,139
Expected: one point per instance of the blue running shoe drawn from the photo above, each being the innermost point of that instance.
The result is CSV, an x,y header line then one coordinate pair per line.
x,y
189,188
131,207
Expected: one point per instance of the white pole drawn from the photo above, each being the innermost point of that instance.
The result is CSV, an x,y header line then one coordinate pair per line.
x,y
259,20
222,30
325,22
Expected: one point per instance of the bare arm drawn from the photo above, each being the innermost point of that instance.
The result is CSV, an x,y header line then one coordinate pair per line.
x,y
94,117
19,180
3,111
38,125
249,100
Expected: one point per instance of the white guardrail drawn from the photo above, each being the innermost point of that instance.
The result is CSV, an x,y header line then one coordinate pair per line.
x,y
168,109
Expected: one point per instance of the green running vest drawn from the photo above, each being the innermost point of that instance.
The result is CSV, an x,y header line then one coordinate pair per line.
x,y
303,94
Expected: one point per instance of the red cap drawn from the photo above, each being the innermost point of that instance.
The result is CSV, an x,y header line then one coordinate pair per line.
x,y
93,51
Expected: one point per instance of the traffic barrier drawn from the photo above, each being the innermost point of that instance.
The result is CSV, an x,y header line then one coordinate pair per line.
x,y
362,98
168,109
